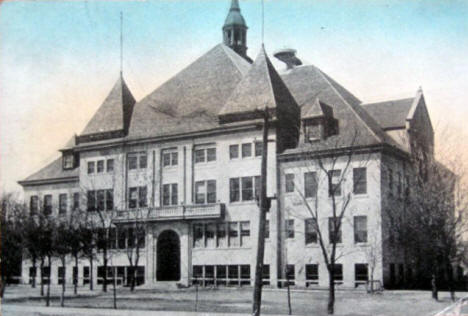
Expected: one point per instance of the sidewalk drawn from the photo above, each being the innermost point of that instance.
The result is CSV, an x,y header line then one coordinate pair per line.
x,y
10,310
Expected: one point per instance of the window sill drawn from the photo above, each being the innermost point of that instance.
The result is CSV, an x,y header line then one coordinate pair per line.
x,y
220,248
250,202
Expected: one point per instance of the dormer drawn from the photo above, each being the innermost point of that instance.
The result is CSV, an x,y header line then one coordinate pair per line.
x,y
70,158
318,122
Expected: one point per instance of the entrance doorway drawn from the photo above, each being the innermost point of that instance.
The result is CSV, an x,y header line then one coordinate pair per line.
x,y
168,256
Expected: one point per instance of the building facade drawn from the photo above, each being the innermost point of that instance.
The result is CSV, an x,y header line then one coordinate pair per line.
x,y
184,163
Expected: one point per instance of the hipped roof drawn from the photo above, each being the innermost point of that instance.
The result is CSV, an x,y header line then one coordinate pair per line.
x,y
390,114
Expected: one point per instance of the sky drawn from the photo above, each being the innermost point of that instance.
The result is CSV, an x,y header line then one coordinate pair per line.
x,y
59,59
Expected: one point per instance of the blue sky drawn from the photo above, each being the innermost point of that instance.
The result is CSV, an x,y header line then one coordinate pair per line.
x,y
59,59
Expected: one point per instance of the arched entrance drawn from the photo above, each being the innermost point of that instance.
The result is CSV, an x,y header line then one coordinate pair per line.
x,y
168,256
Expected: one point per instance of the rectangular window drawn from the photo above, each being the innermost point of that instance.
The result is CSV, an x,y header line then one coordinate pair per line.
x,y
197,235
110,165
63,201
360,273
334,187
233,151
109,199
233,234
312,274
47,204
290,274
221,235
199,155
289,228
289,180
245,234
100,166
205,192
34,204
170,194
86,277
76,201
143,160
112,238
246,150
68,161
360,229
266,274
132,197
170,158
310,231
90,167
258,149
121,238
267,229
334,230
210,230
141,237
142,196
245,274
360,180
338,273
61,275
45,275
131,238
101,200
247,188
132,162
310,184
234,190
257,187
91,200
211,154
197,272
233,274
211,191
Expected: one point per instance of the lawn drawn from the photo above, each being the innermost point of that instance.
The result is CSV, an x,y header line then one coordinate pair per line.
x,y
223,300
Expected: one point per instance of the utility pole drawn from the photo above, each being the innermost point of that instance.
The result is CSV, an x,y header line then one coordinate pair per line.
x,y
264,206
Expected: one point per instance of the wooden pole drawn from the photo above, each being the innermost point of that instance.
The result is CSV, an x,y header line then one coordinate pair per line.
x,y
257,295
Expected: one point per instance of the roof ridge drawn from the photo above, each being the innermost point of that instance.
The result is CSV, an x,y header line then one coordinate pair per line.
x,y
270,83
349,105
386,101
229,54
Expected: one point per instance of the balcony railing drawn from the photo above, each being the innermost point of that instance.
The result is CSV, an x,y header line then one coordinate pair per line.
x,y
176,212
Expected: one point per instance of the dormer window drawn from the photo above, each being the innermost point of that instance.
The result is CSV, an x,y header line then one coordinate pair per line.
x,y
314,132
68,161
318,122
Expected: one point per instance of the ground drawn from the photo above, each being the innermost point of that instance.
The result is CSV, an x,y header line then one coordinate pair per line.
x,y
232,300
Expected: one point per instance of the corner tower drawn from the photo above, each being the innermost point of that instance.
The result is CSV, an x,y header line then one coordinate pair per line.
x,y
235,30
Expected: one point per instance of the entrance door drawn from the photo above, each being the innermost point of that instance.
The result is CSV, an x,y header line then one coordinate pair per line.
x,y
168,256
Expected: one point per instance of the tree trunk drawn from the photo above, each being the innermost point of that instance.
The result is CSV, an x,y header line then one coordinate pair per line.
x,y
91,279
33,283
133,281
48,284
434,287
62,295
42,277
331,294
115,291
104,261
75,277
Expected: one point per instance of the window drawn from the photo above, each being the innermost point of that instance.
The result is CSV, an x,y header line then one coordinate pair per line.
x,y
289,228
197,274
86,275
68,161
61,275
233,234
210,230
246,150
310,184
233,274
100,200
170,158
121,238
221,235
267,229
245,234
360,273
137,160
334,230
338,273
334,188
205,192
76,201
91,201
233,151
360,229
359,180
234,190
90,167
131,238
100,166
109,199
112,240
245,274
290,274
312,274
310,231
34,204
47,204
258,149
266,274
45,275
110,165
137,197
313,131
170,196
289,182
63,203
205,154
247,188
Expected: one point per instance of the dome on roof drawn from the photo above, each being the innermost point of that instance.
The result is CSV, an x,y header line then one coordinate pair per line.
x,y
234,18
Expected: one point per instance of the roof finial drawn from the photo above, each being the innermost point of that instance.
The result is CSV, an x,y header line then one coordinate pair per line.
x,y
121,44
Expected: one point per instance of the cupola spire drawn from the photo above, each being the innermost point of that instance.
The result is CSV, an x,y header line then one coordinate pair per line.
x,y
235,30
